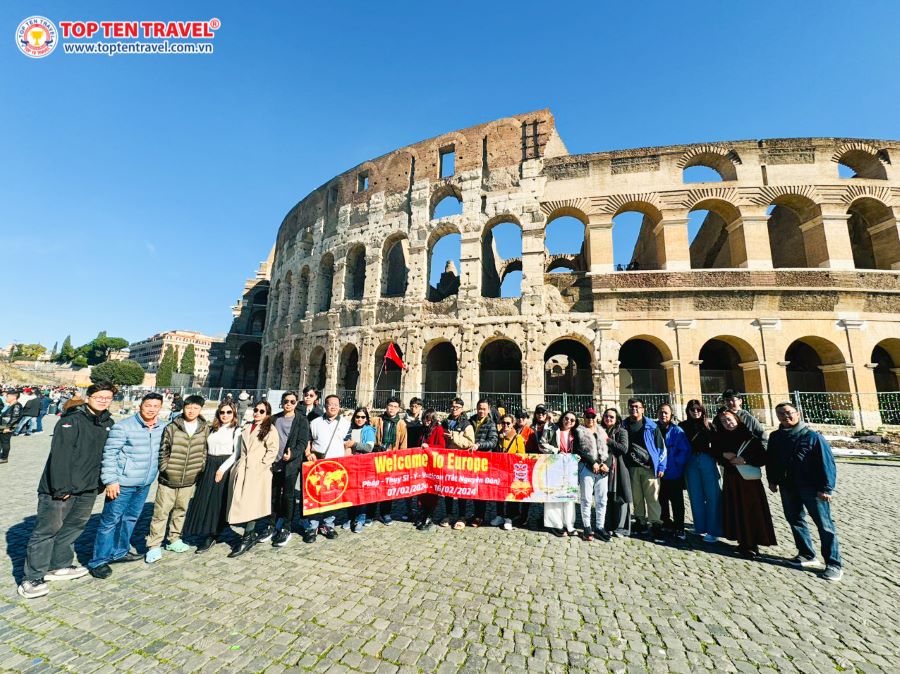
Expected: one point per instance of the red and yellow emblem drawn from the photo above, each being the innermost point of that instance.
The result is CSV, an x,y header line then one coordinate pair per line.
x,y
326,482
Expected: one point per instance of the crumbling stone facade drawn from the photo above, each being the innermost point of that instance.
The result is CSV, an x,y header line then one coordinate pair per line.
x,y
793,279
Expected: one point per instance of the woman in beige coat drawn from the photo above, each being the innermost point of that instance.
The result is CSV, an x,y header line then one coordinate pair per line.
x,y
251,478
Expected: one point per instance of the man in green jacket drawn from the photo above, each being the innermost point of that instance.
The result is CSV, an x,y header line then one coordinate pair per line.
x,y
182,456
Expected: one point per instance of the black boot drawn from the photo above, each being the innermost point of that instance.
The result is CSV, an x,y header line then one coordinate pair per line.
x,y
208,542
247,542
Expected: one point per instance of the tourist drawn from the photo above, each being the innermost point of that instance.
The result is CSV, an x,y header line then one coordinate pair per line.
x,y
559,518
646,461
801,465
459,433
182,457
510,442
42,412
522,427
177,405
244,403
293,439
130,464
31,408
9,420
486,439
251,478
704,481
67,491
360,440
311,407
734,402
671,486
592,450
544,433
206,516
745,509
618,509
327,434
390,435
432,438
415,429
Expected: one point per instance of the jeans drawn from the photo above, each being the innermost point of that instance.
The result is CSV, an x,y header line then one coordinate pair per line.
x,y
117,524
310,525
671,493
593,492
795,500
25,425
283,494
39,424
704,485
52,542
379,509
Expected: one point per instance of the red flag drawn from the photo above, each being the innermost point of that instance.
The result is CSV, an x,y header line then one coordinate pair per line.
x,y
392,355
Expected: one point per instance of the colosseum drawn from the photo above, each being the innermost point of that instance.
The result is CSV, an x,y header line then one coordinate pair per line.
x,y
788,284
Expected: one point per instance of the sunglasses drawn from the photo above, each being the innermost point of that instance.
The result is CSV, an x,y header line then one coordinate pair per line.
x,y
309,395
225,412
360,416
259,411
506,423
568,418
289,402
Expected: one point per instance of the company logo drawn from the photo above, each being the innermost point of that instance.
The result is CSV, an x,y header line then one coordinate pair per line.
x,y
326,482
36,37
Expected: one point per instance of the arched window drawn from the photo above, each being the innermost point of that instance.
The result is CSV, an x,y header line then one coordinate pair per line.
x,y
355,273
395,269
444,253
501,247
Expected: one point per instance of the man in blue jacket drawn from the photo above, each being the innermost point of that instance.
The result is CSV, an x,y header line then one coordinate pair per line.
x,y
800,462
646,461
130,465
671,488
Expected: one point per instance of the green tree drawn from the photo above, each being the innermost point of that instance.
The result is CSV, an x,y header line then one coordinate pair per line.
x,y
53,351
188,360
98,349
79,361
166,368
27,351
119,372
67,352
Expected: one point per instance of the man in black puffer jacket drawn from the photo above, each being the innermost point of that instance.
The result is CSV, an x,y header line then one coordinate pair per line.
x,y
67,491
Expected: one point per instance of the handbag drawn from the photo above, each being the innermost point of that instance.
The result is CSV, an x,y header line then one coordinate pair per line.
x,y
747,471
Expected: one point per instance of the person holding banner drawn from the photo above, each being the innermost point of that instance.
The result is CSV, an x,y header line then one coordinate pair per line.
x,y
390,434
593,471
327,435
543,438
560,517
251,478
432,438
511,442
459,433
360,440
745,508
486,439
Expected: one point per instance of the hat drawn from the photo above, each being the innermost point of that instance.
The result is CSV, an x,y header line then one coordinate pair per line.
x,y
521,414
540,409
729,393
27,389
590,413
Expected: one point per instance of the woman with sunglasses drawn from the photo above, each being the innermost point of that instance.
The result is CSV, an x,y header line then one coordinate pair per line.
x,y
360,440
432,438
618,498
251,479
206,512
511,442
704,481
560,517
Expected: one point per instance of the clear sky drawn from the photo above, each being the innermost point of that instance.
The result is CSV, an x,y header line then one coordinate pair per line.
x,y
138,192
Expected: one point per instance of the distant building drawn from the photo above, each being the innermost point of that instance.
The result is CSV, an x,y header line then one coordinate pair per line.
x,y
122,354
234,363
149,352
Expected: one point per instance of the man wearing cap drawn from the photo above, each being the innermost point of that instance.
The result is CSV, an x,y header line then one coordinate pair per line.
x,y
646,461
734,402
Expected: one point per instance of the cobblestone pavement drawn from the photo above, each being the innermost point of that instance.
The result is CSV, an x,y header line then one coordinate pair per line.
x,y
396,600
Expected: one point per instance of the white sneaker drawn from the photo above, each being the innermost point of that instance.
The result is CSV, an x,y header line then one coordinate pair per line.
x,y
497,521
709,538
66,573
33,590
507,524
803,562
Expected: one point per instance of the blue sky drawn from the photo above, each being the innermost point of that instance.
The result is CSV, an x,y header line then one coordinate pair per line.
x,y
138,192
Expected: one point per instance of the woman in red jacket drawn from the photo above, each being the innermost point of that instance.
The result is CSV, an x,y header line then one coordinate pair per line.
x,y
432,438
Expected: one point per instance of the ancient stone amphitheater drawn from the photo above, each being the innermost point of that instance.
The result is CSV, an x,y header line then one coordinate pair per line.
x,y
790,286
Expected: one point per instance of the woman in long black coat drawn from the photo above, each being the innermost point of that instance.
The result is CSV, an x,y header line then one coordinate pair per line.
x,y
618,501
745,508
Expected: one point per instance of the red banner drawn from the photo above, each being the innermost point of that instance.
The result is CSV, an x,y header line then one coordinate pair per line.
x,y
329,484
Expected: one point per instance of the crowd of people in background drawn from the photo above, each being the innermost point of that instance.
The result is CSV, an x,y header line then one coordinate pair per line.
x,y
24,409
240,471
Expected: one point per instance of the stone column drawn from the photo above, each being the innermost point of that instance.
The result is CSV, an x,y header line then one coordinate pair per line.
x,y
860,377
470,267
366,384
827,241
467,367
673,251
533,263
599,243
748,240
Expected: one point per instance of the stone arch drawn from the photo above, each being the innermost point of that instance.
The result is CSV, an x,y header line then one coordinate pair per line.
x,y
439,194
257,322
317,371
325,285
711,247
817,374
865,160
500,370
645,252
886,358
440,373
574,355
449,280
395,266
303,292
874,237
641,368
387,374
721,369
788,243
492,262
348,375
714,157
355,272
572,218
247,373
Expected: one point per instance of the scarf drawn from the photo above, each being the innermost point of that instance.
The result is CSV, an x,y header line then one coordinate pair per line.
x,y
794,431
389,430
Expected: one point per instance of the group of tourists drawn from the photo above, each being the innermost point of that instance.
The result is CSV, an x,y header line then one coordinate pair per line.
x,y
22,412
214,475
